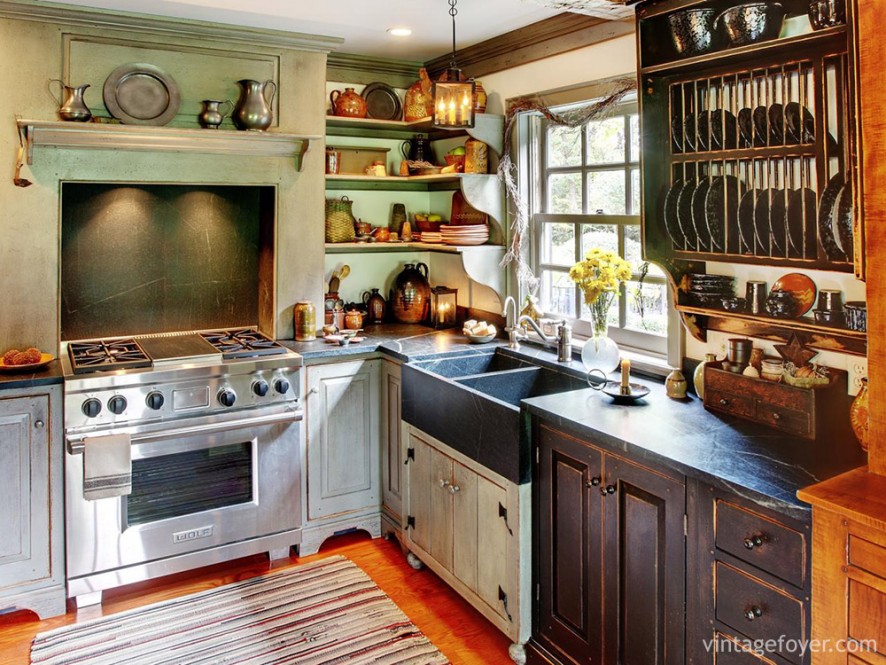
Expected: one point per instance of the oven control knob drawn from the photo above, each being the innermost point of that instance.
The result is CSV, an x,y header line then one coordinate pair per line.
x,y
281,386
227,397
117,404
92,407
154,400
260,387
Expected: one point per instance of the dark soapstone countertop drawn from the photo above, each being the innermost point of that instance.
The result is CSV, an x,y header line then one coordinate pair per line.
x,y
752,461
50,375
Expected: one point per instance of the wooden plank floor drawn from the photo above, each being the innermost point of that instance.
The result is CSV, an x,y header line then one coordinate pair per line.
x,y
459,631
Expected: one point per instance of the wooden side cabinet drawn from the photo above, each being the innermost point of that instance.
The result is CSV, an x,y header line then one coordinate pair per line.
x,y
468,524
343,442
848,569
610,556
31,501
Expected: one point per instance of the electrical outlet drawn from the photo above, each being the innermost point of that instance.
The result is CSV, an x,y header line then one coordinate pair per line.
x,y
858,370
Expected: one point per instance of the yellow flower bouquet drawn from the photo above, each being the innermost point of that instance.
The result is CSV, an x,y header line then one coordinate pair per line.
x,y
600,276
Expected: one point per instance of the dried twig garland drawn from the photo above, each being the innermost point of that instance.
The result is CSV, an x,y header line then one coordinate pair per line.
x,y
620,89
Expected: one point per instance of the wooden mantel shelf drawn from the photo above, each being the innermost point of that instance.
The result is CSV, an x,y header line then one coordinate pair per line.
x,y
100,136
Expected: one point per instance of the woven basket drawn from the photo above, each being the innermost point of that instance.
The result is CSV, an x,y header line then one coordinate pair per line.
x,y
339,220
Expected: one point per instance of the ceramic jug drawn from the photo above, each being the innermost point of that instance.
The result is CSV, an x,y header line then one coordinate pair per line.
x,y
375,306
72,107
419,101
412,294
416,149
211,116
348,103
253,109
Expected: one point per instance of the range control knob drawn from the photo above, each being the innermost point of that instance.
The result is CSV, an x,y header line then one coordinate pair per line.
x,y
117,404
227,397
281,386
260,387
91,407
154,400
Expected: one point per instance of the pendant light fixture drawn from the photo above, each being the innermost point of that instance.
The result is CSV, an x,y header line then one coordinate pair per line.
x,y
453,98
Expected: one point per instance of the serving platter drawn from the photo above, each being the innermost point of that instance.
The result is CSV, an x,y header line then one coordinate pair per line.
x,y
141,94
45,359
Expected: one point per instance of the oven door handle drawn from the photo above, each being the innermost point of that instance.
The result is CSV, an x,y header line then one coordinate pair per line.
x,y
76,446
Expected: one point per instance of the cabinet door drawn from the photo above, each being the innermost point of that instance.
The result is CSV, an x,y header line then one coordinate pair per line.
x,y
342,413
568,562
644,560
421,486
464,524
441,521
392,461
24,490
494,542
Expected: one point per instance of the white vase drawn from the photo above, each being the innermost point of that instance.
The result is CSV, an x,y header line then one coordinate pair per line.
x,y
600,352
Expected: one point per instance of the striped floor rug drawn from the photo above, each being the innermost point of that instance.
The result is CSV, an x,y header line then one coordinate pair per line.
x,y
323,612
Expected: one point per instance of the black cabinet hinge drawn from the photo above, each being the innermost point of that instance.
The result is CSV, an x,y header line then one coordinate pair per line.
x,y
503,513
503,598
410,455
410,522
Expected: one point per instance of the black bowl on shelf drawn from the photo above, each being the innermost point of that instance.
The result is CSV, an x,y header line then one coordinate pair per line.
x,y
827,13
735,304
692,31
751,23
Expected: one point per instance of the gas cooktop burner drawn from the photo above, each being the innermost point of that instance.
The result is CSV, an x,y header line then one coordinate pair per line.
x,y
99,356
243,343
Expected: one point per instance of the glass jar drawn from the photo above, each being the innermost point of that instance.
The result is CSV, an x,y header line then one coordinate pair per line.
x,y
305,320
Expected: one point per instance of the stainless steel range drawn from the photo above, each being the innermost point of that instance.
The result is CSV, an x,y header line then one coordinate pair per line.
x,y
213,420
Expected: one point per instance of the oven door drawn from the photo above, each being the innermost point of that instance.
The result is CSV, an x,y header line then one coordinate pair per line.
x,y
193,488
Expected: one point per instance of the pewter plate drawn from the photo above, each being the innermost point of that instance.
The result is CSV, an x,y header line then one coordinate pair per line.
x,y
141,94
382,102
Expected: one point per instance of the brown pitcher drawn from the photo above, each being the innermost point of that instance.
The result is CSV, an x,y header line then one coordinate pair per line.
x,y
375,306
412,294
347,103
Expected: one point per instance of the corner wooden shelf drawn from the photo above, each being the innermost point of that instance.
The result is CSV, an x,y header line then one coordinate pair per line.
x,y
814,335
102,136
480,262
488,128
358,181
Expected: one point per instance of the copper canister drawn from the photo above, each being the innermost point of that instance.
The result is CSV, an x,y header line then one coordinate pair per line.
x,y
305,317
476,156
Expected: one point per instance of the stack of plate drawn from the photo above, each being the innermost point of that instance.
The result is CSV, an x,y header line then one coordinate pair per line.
x,y
476,234
432,236
710,290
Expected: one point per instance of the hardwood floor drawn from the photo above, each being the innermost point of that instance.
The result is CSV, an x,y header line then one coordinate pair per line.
x,y
459,631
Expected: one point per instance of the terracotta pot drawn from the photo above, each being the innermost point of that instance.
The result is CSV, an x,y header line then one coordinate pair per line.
x,y
419,101
412,294
347,103
382,234
353,319
479,97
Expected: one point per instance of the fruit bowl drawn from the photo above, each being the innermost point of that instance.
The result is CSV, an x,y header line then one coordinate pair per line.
x,y
456,160
425,226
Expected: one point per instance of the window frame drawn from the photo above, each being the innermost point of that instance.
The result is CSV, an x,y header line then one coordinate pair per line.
x,y
659,347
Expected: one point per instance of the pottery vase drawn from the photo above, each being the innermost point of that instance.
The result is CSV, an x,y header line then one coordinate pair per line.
x,y
698,375
412,294
858,415
419,100
480,97
676,385
348,103
376,307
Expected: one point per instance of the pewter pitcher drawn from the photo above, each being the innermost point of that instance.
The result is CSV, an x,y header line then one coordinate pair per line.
x,y
211,116
253,109
72,107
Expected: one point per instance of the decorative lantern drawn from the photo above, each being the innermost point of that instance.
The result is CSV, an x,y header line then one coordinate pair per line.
x,y
444,307
453,98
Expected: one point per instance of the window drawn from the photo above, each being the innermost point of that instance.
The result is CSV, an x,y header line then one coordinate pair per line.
x,y
586,193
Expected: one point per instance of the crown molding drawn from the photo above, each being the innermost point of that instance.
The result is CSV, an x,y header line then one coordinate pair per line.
x,y
553,36
363,69
81,17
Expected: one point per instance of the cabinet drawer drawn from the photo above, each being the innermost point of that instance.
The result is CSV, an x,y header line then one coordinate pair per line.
x,y
723,401
773,614
868,556
784,419
761,542
729,652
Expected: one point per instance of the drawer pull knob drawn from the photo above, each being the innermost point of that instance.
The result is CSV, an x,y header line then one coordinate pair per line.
x,y
444,483
724,401
755,541
454,488
609,489
594,482
39,424
754,612
776,416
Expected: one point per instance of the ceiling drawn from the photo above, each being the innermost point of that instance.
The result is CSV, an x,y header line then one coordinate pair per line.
x,y
361,23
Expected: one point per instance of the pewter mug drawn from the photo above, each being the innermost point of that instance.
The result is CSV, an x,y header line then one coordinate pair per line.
x,y
253,109
72,107
211,116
